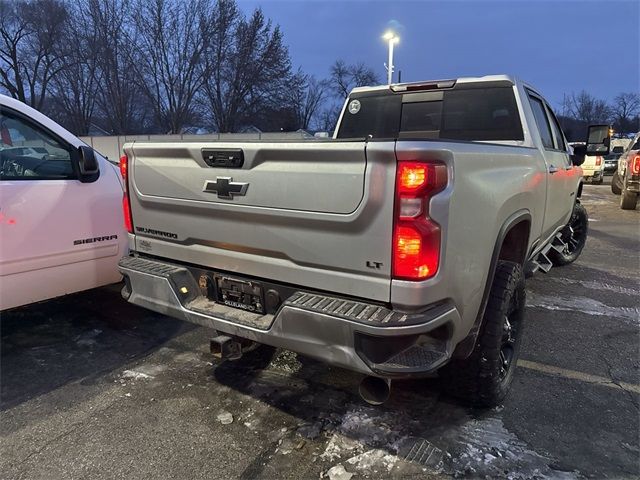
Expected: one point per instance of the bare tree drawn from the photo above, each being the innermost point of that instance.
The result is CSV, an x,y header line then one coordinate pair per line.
x,y
625,110
306,95
328,118
584,107
173,39
30,55
345,78
246,63
120,97
75,88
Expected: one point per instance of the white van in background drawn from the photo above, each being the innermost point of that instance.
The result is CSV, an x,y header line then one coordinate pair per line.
x,y
61,227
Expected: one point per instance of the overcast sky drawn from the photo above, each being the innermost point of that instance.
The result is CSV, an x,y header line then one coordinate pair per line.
x,y
558,46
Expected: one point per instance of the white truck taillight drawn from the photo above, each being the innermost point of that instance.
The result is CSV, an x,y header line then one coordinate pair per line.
x,y
126,207
416,237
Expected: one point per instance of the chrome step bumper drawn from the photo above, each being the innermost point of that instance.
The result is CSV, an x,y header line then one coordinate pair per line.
x,y
356,335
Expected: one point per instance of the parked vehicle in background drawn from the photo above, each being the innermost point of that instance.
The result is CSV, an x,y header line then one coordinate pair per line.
x,y
593,169
611,160
366,251
61,229
626,180
33,152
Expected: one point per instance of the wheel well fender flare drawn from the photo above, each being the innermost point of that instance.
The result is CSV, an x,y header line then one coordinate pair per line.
x,y
465,347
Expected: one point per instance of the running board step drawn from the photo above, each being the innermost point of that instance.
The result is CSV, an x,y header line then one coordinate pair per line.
x,y
542,260
544,263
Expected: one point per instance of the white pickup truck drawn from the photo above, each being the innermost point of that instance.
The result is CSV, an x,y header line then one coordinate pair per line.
x,y
395,249
61,228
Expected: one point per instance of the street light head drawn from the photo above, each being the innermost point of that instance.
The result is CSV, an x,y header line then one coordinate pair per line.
x,y
391,36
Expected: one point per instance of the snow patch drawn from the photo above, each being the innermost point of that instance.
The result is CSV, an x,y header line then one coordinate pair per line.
x,y
286,361
595,285
337,445
373,461
338,472
372,442
225,418
88,339
134,375
484,448
367,436
594,201
585,305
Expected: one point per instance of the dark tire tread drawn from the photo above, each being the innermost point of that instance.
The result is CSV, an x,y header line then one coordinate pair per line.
x,y
628,200
476,379
616,185
561,259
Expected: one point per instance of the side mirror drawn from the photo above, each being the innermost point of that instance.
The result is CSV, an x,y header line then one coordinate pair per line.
x,y
598,140
578,155
618,149
88,166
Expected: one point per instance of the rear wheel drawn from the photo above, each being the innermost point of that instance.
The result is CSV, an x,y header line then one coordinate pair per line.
x,y
628,200
574,236
483,379
616,184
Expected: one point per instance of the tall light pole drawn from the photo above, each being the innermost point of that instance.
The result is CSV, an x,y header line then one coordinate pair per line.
x,y
392,38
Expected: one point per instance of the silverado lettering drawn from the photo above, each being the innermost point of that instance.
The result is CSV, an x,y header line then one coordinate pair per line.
x,y
157,233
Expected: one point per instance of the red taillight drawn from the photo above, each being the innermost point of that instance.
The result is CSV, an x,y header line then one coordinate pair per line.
x,y
126,207
411,176
416,250
123,166
126,210
416,237
598,161
635,165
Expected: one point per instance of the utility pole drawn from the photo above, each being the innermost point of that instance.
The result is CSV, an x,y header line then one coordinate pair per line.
x,y
392,38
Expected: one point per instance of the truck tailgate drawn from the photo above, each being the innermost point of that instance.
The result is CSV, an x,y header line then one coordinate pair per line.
x,y
312,214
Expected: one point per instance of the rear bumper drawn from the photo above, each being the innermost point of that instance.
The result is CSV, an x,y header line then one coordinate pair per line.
x,y
633,184
592,174
352,334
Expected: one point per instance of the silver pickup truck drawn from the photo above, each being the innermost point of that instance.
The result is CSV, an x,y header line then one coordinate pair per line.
x,y
395,249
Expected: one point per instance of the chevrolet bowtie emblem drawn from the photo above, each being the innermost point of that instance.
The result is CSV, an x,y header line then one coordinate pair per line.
x,y
225,187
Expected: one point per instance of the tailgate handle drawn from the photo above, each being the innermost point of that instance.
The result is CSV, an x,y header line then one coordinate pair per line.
x,y
223,157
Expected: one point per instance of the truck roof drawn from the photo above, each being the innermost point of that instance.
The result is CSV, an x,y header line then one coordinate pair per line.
x,y
440,83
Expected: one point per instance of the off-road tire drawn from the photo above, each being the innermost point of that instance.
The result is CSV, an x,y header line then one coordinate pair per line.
x,y
481,379
575,240
628,200
616,184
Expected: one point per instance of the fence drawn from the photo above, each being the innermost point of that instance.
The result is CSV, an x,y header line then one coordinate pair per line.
x,y
111,146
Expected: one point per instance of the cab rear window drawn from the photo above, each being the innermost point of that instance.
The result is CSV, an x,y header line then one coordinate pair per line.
x,y
462,114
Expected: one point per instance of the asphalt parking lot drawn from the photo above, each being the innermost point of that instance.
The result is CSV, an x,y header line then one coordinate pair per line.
x,y
92,387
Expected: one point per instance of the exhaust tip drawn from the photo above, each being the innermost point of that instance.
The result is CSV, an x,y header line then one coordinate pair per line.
x,y
375,390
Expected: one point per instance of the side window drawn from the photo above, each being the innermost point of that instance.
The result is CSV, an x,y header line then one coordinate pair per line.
x,y
542,122
28,152
557,131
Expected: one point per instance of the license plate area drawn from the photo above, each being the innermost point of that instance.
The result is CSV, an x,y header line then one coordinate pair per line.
x,y
237,293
